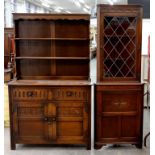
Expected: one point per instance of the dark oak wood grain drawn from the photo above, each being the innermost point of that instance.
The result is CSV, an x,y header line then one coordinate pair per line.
x,y
49,114
118,114
52,47
118,92
50,96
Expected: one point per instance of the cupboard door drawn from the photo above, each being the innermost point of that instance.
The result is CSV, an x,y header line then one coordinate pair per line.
x,y
72,122
110,127
28,124
118,129
118,114
50,118
119,50
37,122
129,126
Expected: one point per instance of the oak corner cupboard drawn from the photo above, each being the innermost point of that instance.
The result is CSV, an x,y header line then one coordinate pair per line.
x,y
50,95
119,91
119,43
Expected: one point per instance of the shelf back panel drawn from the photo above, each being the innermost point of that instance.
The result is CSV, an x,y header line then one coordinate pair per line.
x,y
33,67
72,48
72,29
32,29
52,68
72,68
33,48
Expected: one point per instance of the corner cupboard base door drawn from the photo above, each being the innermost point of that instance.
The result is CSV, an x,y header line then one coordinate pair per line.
x,y
118,114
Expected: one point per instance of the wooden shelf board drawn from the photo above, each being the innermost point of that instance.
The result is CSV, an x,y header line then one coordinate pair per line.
x,y
57,58
53,77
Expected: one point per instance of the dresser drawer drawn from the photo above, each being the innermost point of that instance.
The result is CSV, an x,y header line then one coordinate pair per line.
x,y
29,93
67,93
123,102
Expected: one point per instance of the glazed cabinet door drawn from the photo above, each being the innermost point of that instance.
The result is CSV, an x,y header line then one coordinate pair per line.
x,y
119,41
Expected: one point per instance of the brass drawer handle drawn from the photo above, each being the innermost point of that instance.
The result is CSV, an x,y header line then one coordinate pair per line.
x,y
53,119
30,93
49,119
45,118
123,103
116,103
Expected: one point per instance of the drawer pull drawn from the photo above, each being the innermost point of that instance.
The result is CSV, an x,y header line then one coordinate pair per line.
x,y
50,119
29,93
116,103
123,103
53,119
69,93
45,119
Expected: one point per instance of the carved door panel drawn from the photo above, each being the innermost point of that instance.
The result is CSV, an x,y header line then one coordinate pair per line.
x,y
34,121
72,122
28,124
50,118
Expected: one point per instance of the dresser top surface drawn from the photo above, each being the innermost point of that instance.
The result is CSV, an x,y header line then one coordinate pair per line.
x,y
50,82
118,83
